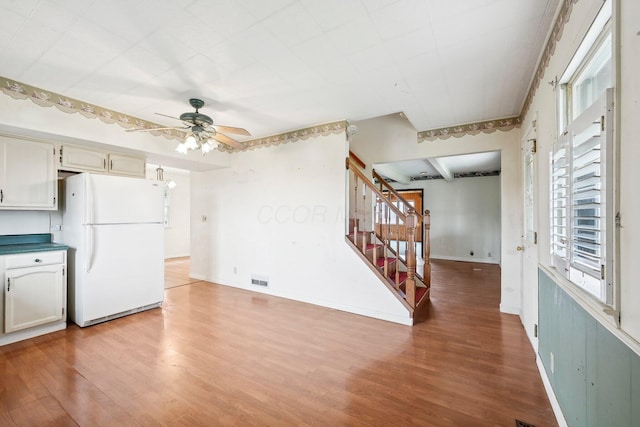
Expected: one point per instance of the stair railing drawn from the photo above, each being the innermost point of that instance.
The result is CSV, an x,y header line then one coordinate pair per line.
x,y
380,212
425,220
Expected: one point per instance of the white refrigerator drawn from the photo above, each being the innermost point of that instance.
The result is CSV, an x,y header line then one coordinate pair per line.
x,y
114,228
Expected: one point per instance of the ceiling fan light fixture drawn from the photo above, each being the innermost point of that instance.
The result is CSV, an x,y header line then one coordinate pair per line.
x,y
182,148
205,148
190,142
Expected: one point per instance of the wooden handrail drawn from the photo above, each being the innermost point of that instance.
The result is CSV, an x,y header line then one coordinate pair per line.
x,y
388,202
357,160
365,180
392,190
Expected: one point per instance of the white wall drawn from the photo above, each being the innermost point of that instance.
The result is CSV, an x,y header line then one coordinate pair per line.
x,y
629,101
392,138
628,110
465,217
279,213
24,222
177,236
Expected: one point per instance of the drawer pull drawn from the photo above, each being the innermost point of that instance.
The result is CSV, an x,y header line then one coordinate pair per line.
x,y
37,260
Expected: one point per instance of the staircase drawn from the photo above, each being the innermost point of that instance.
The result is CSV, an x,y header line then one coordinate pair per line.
x,y
382,229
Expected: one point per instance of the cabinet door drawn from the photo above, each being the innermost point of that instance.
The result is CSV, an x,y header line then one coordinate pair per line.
x,y
33,296
79,159
126,165
27,174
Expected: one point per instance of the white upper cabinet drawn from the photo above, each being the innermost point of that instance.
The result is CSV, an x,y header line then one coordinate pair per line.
x,y
28,175
126,165
79,159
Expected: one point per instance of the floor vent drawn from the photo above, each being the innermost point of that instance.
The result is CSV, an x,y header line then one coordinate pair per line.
x,y
523,424
259,280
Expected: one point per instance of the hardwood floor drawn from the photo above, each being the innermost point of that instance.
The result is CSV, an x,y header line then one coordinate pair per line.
x,y
215,355
176,272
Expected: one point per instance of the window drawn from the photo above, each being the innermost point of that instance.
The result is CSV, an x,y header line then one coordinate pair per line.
x,y
581,170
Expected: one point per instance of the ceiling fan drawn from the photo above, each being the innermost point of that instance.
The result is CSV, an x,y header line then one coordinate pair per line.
x,y
201,132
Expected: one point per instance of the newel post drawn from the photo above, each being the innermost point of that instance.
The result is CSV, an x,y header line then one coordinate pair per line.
x,y
426,248
410,285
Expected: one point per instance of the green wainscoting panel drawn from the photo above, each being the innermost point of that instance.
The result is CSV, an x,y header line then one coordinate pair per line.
x,y
635,387
595,376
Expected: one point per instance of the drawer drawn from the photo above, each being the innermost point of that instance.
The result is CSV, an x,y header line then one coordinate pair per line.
x,y
33,259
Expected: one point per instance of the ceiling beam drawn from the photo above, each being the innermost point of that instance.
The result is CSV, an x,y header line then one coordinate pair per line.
x,y
391,172
441,168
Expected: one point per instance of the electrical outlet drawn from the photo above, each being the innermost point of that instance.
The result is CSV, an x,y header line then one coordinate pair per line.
x,y
204,218
489,254
551,362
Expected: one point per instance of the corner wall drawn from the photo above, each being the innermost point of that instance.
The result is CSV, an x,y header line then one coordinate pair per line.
x,y
392,138
279,214
465,217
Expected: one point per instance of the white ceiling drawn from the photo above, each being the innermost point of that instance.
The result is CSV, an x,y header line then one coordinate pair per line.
x,y
447,167
278,65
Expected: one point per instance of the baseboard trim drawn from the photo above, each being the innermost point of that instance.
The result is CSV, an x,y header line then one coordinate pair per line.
x,y
553,400
466,259
509,309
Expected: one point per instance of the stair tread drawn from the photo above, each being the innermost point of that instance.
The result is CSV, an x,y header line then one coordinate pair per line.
x,y
372,245
380,261
420,291
402,276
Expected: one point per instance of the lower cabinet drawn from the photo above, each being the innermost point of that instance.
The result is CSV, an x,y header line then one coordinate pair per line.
x,y
34,294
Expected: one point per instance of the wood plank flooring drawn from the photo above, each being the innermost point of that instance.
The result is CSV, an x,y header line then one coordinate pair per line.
x,y
176,272
215,355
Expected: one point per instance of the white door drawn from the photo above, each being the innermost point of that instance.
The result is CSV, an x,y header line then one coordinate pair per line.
x,y
27,174
75,158
33,296
529,246
126,165
123,200
124,269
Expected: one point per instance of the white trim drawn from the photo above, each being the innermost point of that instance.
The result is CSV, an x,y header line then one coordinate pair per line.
x,y
347,308
510,310
32,333
466,259
553,400
589,40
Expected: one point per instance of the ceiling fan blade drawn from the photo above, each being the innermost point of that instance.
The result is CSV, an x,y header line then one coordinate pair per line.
x,y
152,129
220,137
231,129
189,124
171,117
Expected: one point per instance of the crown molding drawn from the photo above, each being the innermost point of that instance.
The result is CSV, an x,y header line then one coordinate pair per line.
x,y
46,98
507,124
293,136
556,34
459,131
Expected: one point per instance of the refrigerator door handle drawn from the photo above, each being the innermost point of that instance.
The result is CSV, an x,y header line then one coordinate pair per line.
x,y
88,260
88,191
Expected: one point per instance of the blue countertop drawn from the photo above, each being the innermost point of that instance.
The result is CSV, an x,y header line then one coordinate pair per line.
x,y
23,243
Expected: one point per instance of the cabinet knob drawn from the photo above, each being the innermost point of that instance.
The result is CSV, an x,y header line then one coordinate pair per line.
x,y
37,260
